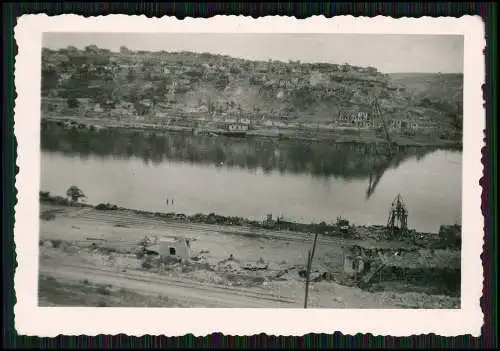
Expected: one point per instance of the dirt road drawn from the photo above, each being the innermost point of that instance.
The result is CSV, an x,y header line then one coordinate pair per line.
x,y
196,294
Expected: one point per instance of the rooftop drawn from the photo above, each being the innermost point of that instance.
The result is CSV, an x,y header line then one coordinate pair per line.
x,y
169,239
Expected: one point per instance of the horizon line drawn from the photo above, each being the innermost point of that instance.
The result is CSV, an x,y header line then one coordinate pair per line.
x,y
241,58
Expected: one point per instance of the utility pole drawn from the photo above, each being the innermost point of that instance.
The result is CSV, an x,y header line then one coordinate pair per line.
x,y
310,256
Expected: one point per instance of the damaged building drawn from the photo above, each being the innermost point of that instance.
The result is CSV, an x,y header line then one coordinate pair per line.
x,y
384,263
436,270
358,259
451,235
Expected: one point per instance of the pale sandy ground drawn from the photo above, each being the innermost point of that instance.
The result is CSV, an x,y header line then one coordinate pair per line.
x,y
74,267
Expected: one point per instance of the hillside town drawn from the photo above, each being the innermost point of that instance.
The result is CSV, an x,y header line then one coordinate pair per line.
x,y
210,92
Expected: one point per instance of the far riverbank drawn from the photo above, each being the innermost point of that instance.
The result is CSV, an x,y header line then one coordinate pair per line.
x,y
305,134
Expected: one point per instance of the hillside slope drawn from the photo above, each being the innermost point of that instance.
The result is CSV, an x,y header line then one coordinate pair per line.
x,y
443,91
159,86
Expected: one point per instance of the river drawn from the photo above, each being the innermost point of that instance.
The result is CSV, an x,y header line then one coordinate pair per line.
x,y
306,182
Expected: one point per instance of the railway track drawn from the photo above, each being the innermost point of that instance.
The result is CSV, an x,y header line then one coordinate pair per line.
x,y
131,220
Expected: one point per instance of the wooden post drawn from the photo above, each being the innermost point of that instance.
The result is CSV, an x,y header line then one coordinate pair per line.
x,y
310,255
308,270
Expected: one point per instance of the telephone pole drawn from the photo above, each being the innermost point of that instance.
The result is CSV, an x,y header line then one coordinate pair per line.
x,y
310,256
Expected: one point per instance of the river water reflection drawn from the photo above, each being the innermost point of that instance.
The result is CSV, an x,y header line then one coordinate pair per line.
x,y
307,182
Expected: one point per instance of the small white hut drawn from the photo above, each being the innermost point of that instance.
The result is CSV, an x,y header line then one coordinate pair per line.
x,y
174,248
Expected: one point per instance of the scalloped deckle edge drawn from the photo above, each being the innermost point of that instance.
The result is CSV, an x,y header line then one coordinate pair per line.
x,y
32,320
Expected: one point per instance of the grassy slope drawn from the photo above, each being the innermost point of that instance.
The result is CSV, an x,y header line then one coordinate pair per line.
x,y
435,86
53,292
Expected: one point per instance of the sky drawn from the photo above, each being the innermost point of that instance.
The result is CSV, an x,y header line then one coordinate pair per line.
x,y
394,53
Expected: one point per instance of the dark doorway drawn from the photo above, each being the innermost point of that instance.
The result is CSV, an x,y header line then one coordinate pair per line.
x,y
172,251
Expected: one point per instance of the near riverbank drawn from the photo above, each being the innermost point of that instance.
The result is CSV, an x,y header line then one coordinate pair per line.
x,y
96,251
269,224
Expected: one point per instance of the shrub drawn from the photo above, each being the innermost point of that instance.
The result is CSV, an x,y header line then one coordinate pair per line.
x,y
44,194
48,215
106,206
103,290
56,243
57,200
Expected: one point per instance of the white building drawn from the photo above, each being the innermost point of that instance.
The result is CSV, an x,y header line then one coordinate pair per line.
x,y
174,248
98,108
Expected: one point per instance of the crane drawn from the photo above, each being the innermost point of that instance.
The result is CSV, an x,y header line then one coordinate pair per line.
x,y
380,116
375,178
397,223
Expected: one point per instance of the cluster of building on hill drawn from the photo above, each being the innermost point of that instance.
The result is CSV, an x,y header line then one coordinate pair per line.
x,y
182,69
406,122
160,76
179,73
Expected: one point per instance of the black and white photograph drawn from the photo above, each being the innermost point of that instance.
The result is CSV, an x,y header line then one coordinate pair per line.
x,y
251,170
